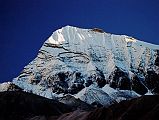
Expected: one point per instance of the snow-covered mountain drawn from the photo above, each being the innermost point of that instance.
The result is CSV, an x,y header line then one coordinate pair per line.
x,y
72,60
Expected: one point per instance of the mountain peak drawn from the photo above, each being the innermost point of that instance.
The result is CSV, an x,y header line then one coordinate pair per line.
x,y
74,58
76,31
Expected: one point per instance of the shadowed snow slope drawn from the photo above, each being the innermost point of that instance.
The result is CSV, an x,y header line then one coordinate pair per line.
x,y
95,96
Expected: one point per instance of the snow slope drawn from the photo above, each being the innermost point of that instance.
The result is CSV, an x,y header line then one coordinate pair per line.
x,y
119,95
94,95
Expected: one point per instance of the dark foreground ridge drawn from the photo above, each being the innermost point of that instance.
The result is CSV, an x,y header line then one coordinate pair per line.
x,y
19,105
143,108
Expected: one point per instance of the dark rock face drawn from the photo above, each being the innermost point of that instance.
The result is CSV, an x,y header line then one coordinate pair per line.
x,y
157,61
72,82
98,30
88,82
138,86
75,88
152,81
100,78
157,58
13,87
78,83
58,83
120,79
18,105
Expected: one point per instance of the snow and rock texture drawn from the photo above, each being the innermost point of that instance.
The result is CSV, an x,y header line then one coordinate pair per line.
x,y
119,95
72,59
95,96
9,86
75,103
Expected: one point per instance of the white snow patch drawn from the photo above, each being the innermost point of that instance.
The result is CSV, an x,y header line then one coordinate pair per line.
x,y
4,86
149,93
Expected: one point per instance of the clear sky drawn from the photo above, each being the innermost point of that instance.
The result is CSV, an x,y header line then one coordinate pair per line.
x,y
26,24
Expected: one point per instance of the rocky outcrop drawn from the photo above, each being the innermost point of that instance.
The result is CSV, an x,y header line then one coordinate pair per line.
x,y
120,80
157,58
152,81
98,30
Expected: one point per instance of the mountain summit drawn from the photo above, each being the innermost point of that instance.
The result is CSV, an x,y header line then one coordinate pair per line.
x,y
74,61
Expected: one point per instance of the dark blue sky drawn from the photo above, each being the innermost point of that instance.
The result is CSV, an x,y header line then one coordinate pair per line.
x,y
26,24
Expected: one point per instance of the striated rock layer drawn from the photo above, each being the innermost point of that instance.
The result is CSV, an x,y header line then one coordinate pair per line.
x,y
72,59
